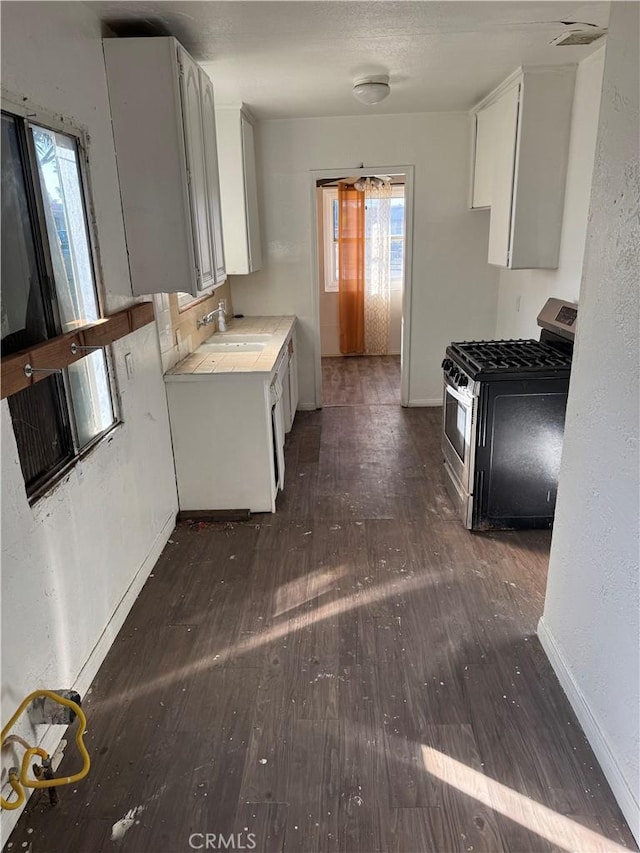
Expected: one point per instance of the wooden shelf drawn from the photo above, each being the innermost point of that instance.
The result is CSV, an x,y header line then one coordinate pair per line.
x,y
56,353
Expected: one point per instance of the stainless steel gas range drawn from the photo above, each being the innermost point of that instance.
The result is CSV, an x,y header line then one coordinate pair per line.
x,y
503,422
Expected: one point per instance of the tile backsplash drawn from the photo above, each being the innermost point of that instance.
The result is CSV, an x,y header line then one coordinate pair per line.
x,y
177,331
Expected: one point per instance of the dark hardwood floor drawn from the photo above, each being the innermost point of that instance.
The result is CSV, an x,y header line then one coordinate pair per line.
x,y
361,380
354,673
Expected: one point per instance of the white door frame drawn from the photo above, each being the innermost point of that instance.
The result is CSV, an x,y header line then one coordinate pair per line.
x,y
405,345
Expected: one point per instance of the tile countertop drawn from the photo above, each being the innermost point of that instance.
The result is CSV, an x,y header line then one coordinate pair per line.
x,y
201,363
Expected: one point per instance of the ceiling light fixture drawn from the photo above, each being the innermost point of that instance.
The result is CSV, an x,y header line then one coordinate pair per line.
x,y
371,90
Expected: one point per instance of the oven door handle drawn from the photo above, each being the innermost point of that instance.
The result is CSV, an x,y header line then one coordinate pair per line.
x,y
464,399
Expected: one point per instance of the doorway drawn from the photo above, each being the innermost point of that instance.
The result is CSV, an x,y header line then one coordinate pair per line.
x,y
375,369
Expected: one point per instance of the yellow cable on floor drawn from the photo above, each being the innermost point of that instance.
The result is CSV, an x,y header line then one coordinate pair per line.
x,y
19,783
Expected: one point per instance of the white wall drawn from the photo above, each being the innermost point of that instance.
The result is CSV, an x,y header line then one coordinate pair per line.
x,y
454,289
523,292
68,562
590,627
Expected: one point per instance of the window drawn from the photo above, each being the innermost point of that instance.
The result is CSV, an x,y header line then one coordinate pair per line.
x,y
397,237
330,226
396,246
48,288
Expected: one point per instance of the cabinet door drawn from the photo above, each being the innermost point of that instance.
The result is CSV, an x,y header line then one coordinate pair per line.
x,y
286,398
502,188
293,379
213,180
196,168
485,144
251,195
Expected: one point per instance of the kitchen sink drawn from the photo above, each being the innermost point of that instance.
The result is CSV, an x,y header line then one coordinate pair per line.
x,y
230,347
239,339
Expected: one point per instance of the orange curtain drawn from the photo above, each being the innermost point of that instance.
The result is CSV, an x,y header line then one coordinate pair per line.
x,y
351,269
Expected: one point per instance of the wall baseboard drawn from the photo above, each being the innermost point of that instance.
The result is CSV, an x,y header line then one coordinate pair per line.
x,y
427,402
52,735
621,788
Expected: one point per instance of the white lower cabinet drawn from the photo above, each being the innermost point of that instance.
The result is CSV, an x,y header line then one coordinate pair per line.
x,y
225,442
228,433
292,377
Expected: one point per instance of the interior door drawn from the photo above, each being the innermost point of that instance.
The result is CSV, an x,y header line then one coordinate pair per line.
x,y
196,167
213,179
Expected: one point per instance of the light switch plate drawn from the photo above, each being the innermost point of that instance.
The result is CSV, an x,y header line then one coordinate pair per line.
x,y
128,363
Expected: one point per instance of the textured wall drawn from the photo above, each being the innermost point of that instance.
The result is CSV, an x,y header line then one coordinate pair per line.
x,y
72,563
523,292
590,626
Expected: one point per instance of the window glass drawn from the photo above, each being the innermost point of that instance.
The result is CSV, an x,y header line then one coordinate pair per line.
x,y
21,307
397,239
397,217
56,417
391,254
70,249
91,396
41,429
61,185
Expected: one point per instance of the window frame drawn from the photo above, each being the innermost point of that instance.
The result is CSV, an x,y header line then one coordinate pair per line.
x,y
329,198
27,115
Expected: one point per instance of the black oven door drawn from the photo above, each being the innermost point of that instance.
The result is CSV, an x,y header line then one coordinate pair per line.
x,y
458,420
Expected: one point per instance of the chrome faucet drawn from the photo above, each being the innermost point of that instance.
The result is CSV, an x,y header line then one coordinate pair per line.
x,y
221,314
207,319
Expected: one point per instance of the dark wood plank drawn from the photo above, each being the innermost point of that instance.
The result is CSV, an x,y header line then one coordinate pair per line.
x,y
56,352
263,826
312,823
361,380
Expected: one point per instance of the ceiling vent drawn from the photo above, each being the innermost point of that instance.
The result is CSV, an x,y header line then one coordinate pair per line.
x,y
578,37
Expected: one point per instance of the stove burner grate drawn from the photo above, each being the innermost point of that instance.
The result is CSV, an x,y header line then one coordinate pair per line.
x,y
510,355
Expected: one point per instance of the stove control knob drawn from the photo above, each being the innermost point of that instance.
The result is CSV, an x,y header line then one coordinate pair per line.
x,y
462,380
447,364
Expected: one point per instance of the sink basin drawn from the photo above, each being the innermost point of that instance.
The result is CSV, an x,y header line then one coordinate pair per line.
x,y
249,338
230,347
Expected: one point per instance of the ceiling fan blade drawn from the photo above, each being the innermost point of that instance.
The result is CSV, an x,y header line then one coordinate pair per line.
x,y
325,182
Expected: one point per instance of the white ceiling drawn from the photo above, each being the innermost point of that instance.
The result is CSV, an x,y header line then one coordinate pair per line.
x,y
299,59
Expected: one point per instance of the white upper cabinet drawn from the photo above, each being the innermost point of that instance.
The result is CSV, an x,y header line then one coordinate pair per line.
x,y
505,127
521,145
238,190
164,132
485,122
213,182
